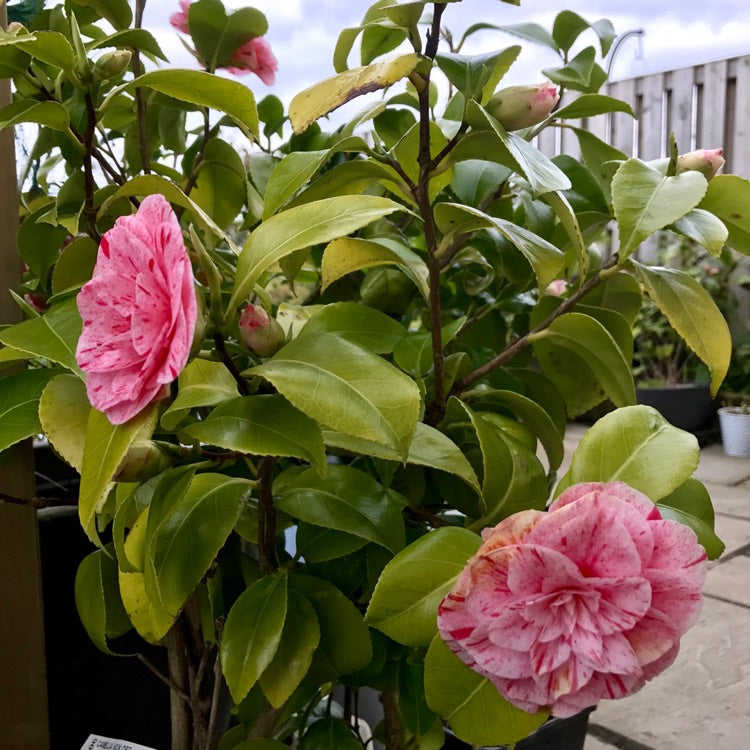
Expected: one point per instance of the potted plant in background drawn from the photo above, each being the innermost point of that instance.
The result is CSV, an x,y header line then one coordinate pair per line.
x,y
304,390
734,415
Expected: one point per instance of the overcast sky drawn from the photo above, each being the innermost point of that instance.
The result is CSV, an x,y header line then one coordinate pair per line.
x,y
302,33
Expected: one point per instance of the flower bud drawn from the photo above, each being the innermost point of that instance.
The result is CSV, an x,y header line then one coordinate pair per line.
x,y
144,459
518,107
111,64
261,333
557,288
707,161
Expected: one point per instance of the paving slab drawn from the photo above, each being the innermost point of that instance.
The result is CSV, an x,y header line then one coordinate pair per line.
x,y
730,580
732,501
734,532
703,700
715,466
594,743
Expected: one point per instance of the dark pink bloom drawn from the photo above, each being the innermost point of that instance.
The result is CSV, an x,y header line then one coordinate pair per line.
x,y
180,20
256,57
138,311
586,601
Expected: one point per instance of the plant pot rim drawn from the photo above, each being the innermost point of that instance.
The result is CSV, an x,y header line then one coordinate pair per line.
x,y
737,410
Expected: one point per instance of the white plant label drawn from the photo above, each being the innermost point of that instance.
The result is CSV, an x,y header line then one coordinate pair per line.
x,y
96,742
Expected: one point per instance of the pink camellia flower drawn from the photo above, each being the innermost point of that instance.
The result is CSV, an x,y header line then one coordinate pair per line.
x,y
138,311
707,161
255,56
260,332
586,601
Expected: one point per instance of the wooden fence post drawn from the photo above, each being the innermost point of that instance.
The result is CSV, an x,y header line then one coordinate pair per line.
x,y
23,691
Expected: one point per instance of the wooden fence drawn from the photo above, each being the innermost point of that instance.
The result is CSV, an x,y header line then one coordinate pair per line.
x,y
706,106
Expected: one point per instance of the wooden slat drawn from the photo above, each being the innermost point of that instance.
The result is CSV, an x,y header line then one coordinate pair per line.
x,y
23,691
622,124
740,158
713,100
682,107
651,88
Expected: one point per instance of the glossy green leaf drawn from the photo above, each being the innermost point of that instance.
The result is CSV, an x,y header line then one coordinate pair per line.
x,y
299,639
704,228
477,76
49,114
728,197
586,338
567,216
692,312
417,717
329,734
50,47
221,186
532,32
317,544
636,445
206,90
319,374
645,200
590,105
288,176
345,644
117,12
139,39
265,425
252,633
470,703
348,254
105,447
405,601
188,537
582,73
690,504
75,266
346,500
363,325
300,227
324,97
19,405
413,353
64,413
217,35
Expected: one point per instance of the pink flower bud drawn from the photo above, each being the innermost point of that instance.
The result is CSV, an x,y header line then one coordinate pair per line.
x,y
557,288
523,106
261,333
707,161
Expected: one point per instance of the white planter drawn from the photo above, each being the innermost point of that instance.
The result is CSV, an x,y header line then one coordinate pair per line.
x,y
735,431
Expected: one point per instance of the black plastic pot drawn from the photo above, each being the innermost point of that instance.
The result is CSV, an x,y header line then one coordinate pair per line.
x,y
688,406
555,734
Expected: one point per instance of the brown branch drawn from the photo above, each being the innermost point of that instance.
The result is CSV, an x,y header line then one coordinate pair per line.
x,y
392,720
226,358
422,513
140,102
522,342
198,163
169,683
266,518
89,210
437,160
37,502
211,732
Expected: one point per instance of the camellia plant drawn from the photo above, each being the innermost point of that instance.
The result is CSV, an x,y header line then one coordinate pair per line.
x,y
316,385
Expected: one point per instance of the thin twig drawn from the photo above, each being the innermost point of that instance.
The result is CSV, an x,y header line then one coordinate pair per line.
x,y
212,734
266,518
140,102
437,160
89,210
37,502
172,686
520,343
221,348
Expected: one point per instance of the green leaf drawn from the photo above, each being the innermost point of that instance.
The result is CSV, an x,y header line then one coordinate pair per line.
x,y
690,504
345,644
105,447
565,213
728,198
704,228
348,254
319,374
566,28
363,325
590,105
265,425
587,338
636,445
19,405
63,413
252,633
645,200
477,76
418,718
299,639
117,12
324,97
300,227
75,266
97,598
470,703
413,353
317,544
52,336
412,585
346,500
532,32
578,73
52,48
691,311
139,39
206,90
50,114
218,35
329,734
187,538
221,186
